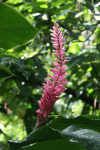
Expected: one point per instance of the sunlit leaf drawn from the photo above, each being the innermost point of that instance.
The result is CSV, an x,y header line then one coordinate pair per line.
x,y
14,28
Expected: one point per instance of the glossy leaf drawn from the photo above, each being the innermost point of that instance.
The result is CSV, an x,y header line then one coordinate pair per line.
x,y
87,138
80,121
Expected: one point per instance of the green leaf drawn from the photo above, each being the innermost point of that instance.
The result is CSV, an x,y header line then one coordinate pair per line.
x,y
87,138
19,49
36,4
80,121
91,117
14,28
89,6
43,134
54,145
74,130
79,130
4,73
78,60
5,69
57,3
68,6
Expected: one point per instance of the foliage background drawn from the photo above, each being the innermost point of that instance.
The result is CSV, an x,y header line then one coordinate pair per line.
x,y
29,63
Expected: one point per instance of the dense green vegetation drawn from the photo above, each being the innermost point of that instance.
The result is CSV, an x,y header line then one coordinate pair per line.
x,y
26,58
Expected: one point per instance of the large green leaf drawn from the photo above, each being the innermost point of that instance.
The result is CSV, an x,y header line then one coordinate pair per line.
x,y
82,130
14,28
74,130
54,145
80,121
87,138
36,136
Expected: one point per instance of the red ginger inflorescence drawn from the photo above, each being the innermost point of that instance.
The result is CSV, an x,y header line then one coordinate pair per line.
x,y
53,89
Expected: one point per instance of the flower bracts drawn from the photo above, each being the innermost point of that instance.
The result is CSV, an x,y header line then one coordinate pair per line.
x,y
54,87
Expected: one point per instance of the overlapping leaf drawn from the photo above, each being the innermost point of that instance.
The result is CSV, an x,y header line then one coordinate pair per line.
x,y
81,131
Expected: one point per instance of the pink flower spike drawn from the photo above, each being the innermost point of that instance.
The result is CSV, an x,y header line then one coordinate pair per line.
x,y
54,86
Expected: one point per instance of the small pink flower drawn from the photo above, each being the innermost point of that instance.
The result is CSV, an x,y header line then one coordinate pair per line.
x,y
54,87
